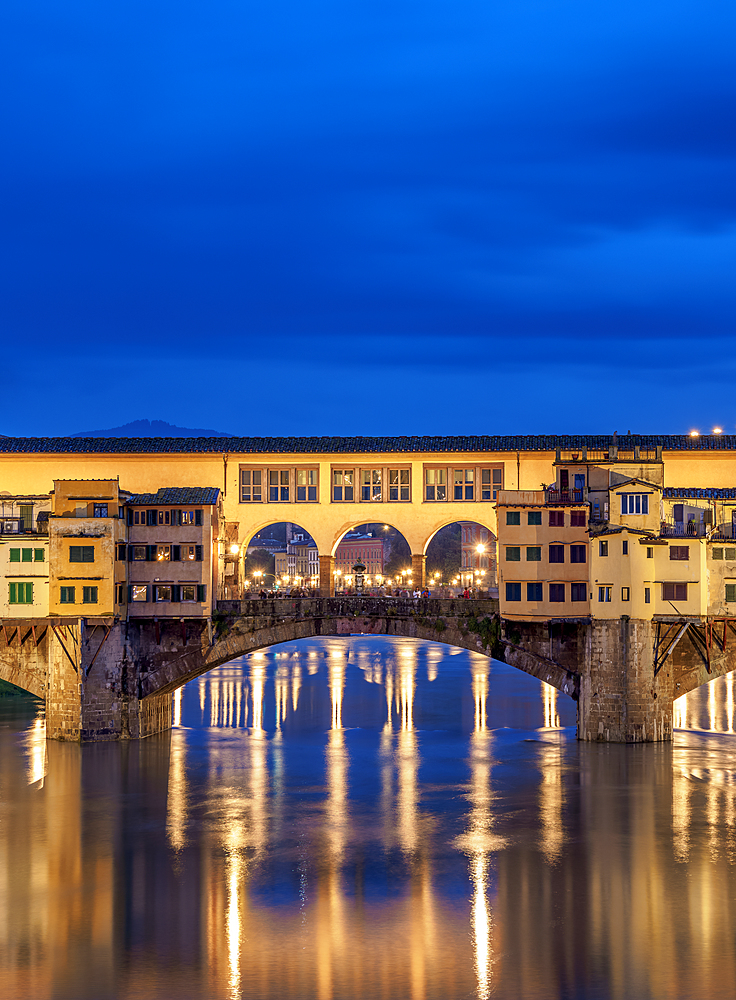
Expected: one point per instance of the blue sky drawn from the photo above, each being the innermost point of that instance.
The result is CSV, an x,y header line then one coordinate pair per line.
x,y
369,217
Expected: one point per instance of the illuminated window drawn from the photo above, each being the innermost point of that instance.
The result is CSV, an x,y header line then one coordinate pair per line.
x,y
251,488
463,484
398,484
435,484
138,592
371,485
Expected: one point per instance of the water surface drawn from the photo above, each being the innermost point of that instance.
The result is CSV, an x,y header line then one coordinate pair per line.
x,y
369,818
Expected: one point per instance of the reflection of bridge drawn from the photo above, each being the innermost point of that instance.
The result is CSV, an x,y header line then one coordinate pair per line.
x,y
104,679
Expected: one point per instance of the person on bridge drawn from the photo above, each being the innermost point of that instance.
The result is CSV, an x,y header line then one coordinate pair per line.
x,y
466,594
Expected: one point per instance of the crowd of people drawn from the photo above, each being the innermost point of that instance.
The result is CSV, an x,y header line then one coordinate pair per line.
x,y
469,593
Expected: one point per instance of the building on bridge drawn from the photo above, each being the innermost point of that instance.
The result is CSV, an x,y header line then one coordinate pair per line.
x,y
173,556
298,563
24,557
616,543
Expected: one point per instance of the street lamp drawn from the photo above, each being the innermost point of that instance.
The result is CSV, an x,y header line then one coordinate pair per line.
x,y
359,571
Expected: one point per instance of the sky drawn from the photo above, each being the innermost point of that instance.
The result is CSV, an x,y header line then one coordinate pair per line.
x,y
368,216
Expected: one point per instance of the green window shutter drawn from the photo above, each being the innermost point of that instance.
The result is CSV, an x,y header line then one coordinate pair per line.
x,y
39,555
176,552
14,593
731,592
28,597
150,553
15,555
198,553
201,592
130,592
27,555
176,592
130,553
198,517
130,515
75,553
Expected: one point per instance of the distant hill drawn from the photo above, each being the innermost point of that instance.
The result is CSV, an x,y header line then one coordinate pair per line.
x,y
150,429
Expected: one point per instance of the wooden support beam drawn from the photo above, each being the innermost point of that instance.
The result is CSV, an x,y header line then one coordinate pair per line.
x,y
104,640
61,643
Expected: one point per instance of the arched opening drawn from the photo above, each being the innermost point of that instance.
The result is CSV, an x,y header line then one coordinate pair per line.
x,y
461,556
281,558
385,553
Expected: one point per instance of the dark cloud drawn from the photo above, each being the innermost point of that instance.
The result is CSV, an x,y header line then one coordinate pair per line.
x,y
427,191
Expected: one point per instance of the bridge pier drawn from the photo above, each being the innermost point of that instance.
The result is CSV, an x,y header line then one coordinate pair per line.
x,y
418,570
621,700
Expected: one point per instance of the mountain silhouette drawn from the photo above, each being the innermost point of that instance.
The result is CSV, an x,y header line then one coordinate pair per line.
x,y
149,429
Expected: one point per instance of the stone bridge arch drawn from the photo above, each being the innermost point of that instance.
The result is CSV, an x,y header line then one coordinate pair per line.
x,y
244,627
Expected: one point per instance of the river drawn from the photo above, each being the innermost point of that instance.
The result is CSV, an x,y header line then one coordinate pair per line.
x,y
369,818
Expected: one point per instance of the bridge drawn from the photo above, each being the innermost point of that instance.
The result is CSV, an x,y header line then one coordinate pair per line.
x,y
110,679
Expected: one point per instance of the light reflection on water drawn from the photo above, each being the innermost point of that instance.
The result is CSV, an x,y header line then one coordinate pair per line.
x,y
370,818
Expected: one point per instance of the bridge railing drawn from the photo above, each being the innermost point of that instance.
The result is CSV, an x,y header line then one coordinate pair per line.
x,y
349,607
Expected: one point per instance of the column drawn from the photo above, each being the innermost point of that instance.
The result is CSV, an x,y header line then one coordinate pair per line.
x,y
418,564
326,579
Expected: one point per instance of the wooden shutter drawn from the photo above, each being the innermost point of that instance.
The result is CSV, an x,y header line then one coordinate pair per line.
x,y
176,592
176,551
130,553
201,592
152,517
151,553
198,517
198,553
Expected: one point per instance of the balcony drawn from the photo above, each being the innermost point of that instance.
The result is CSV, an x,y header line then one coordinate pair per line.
x,y
723,532
553,495
679,529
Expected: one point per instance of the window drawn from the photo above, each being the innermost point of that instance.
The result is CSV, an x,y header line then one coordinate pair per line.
x,y
138,592
251,486
650,552
634,503
26,513
100,510
557,553
15,555
513,517
39,555
164,517
730,593
66,595
513,553
89,595
729,554
716,554
342,485
163,553
81,553
534,517
625,593
191,553
26,555
187,517
534,553
121,594
21,593
370,485
647,595
435,484
463,481
534,592
306,485
624,548
162,592
557,519
674,591
602,548
577,519
278,486
138,553
398,484
577,591
680,552
486,491
513,591
577,553
188,592
556,593
121,551
604,595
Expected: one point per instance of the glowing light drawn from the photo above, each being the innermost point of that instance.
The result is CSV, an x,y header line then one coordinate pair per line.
x,y
235,549
718,430
694,434
177,708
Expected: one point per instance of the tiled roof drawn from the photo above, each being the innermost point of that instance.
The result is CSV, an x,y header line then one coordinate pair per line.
x,y
357,445
175,496
694,493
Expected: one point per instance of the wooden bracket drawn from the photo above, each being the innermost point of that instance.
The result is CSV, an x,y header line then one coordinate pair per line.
x,y
61,643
